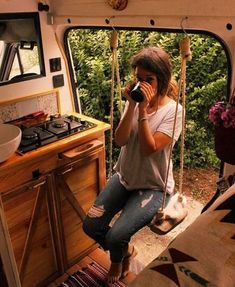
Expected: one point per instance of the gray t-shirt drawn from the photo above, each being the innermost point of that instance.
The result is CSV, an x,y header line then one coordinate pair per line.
x,y
149,172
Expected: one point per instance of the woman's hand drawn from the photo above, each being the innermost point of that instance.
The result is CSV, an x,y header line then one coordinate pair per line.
x,y
148,94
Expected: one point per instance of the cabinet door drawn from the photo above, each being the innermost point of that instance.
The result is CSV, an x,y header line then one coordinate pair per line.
x,y
28,217
77,187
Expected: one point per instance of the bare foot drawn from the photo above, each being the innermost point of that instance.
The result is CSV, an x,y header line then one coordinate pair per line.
x,y
115,272
131,253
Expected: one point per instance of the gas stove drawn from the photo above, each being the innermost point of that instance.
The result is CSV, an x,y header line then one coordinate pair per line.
x,y
54,129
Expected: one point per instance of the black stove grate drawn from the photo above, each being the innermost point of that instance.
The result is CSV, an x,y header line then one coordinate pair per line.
x,y
52,131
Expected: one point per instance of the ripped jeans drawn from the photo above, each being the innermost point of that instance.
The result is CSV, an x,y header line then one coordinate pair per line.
x,y
138,209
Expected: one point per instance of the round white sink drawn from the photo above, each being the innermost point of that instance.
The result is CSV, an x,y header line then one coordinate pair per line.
x,y
10,137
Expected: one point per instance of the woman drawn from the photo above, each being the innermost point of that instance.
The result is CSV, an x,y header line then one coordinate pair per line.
x,y
145,135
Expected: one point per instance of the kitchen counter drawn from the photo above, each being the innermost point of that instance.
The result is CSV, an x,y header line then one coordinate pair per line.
x,y
44,196
46,157
18,159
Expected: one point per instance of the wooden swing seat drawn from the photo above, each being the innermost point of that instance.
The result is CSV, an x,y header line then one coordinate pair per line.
x,y
168,218
168,223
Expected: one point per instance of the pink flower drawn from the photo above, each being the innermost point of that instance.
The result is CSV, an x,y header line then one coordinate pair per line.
x,y
222,114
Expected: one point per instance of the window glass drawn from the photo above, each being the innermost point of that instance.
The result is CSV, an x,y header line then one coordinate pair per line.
x,y
25,61
21,54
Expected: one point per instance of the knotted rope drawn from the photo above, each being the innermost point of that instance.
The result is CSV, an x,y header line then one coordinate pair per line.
x,y
185,56
115,68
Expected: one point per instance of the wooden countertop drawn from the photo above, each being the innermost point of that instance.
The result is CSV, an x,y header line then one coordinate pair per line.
x,y
21,169
58,146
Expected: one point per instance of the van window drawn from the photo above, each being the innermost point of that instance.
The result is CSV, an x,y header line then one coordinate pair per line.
x,y
208,78
21,55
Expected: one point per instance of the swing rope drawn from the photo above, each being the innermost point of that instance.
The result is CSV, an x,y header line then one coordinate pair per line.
x,y
185,55
181,173
119,89
171,149
115,68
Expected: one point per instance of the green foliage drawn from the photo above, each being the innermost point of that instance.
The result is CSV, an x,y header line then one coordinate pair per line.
x,y
206,81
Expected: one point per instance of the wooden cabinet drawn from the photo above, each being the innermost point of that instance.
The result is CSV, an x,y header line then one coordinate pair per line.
x,y
29,218
44,196
44,215
77,185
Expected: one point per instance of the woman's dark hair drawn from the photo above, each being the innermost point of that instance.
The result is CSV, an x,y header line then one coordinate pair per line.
x,y
157,61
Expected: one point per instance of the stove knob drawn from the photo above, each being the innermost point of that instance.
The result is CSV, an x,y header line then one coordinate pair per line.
x,y
39,142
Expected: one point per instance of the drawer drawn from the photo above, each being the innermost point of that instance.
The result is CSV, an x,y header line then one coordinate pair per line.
x,y
16,175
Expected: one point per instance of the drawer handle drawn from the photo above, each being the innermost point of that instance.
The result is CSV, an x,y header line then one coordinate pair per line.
x,y
39,184
82,150
67,170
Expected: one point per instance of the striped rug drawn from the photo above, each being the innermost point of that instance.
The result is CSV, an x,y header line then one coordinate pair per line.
x,y
93,275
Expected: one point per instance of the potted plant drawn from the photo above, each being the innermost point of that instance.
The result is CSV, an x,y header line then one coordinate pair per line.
x,y
222,115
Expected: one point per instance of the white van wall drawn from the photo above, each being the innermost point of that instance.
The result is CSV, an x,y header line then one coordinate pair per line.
x,y
205,15
50,49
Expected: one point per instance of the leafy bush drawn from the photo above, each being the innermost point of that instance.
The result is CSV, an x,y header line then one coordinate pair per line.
x,y
206,81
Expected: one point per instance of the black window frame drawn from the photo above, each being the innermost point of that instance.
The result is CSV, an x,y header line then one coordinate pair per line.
x,y
10,54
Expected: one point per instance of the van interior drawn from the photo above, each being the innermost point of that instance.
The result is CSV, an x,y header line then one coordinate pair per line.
x,y
63,65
